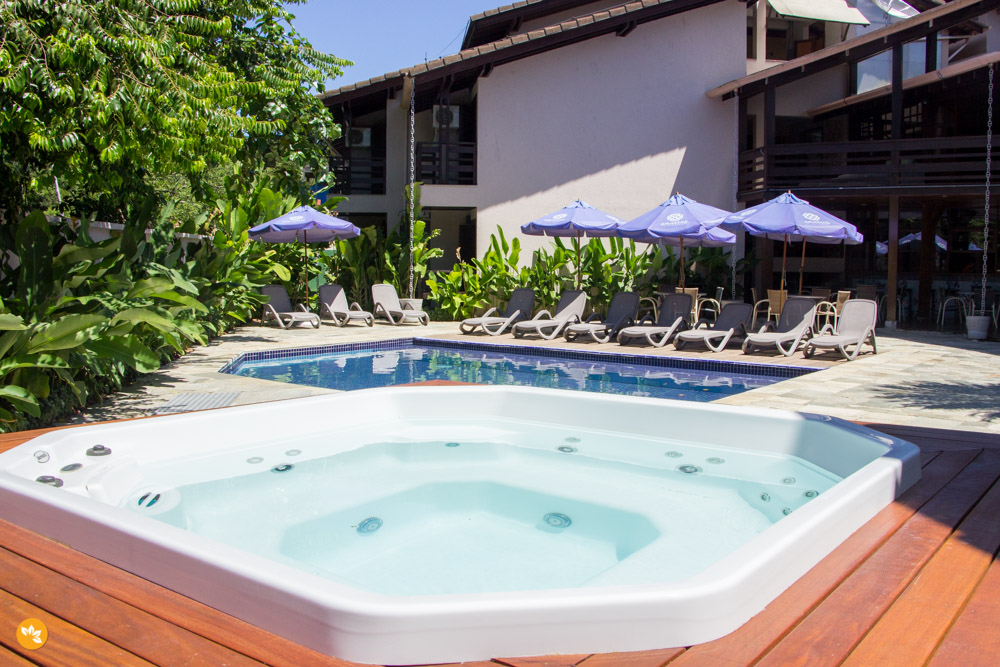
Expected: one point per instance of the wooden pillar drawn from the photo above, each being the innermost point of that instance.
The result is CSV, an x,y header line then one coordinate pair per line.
x,y
897,109
765,250
929,214
892,289
769,136
930,52
760,33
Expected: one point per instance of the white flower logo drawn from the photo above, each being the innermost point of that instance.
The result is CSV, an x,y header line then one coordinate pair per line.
x,y
675,217
560,216
743,214
811,217
31,633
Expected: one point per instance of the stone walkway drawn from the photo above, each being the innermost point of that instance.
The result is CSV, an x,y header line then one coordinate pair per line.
x,y
917,378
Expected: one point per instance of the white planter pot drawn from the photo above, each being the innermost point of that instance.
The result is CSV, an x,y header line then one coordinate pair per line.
x,y
412,304
977,326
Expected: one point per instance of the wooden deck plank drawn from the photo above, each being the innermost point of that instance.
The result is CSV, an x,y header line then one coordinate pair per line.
x,y
633,659
751,640
911,629
835,626
973,639
67,644
136,631
162,602
544,661
11,659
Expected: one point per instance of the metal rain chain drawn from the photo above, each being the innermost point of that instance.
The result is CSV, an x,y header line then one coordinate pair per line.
x,y
413,160
986,221
736,186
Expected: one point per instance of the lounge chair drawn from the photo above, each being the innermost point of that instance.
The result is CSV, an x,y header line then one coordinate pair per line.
x,y
674,313
621,313
549,325
519,307
387,305
279,308
732,321
798,317
333,301
855,326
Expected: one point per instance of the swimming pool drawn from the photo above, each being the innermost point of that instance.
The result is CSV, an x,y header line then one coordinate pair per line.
x,y
440,524
382,364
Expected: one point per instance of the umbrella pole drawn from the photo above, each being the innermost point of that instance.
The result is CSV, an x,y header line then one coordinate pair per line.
x,y
802,266
682,261
578,259
784,259
305,252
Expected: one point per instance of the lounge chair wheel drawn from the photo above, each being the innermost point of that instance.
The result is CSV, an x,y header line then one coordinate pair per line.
x,y
809,351
679,344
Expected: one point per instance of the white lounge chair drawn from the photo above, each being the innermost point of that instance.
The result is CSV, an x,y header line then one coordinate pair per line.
x,y
333,301
279,308
855,326
519,307
621,313
798,317
673,317
732,321
549,325
387,305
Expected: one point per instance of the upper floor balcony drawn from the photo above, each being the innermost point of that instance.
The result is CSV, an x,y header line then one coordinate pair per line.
x,y
446,163
358,175
947,165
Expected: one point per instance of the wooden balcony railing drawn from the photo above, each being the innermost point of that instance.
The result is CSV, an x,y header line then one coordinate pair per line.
x,y
359,176
905,164
446,164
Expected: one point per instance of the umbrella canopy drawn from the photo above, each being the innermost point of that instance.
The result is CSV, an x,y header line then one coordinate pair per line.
x,y
680,222
788,218
576,220
306,225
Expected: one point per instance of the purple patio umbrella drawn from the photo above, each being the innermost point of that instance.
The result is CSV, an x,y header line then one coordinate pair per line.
x,y
306,225
680,221
576,220
788,218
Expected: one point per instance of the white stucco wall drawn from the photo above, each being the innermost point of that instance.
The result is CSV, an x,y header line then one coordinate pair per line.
x,y
621,123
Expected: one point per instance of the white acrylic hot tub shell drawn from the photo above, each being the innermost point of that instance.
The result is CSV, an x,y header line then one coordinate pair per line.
x,y
367,627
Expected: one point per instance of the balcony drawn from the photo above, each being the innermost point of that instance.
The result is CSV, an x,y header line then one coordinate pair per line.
x,y
446,164
359,176
947,164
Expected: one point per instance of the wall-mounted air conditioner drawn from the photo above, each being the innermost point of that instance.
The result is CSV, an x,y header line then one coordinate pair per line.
x,y
359,137
446,116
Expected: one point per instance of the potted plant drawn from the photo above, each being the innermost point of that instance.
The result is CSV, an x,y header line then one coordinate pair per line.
x,y
397,252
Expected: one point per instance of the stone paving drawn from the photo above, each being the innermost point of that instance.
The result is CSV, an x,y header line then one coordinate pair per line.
x,y
918,378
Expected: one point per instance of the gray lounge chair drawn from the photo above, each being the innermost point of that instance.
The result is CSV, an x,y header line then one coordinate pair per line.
x,y
732,321
795,326
855,326
279,308
387,305
333,301
621,313
549,325
519,307
673,317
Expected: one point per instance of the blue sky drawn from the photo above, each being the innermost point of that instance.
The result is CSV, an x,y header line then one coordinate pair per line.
x,y
386,35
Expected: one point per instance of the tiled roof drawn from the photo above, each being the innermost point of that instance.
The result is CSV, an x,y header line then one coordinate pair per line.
x,y
612,15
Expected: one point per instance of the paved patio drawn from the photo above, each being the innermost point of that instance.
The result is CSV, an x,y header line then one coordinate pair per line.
x,y
918,378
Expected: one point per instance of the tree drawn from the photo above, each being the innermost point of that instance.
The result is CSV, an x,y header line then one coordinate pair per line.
x,y
101,94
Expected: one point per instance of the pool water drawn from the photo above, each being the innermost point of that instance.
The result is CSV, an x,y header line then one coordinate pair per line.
x,y
523,507
502,365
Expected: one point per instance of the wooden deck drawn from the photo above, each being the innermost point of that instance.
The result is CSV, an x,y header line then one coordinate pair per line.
x,y
918,584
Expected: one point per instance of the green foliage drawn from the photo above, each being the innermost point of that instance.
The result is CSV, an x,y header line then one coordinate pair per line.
x,y
101,94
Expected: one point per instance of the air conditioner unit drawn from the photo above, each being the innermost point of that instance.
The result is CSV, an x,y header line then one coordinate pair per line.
x,y
359,137
446,116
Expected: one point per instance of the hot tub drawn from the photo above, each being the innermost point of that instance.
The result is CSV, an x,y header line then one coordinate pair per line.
x,y
440,524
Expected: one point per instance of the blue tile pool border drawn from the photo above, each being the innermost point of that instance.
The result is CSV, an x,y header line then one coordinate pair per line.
x,y
657,361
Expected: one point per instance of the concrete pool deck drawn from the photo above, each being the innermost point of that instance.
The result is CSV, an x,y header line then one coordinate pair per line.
x,y
918,378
